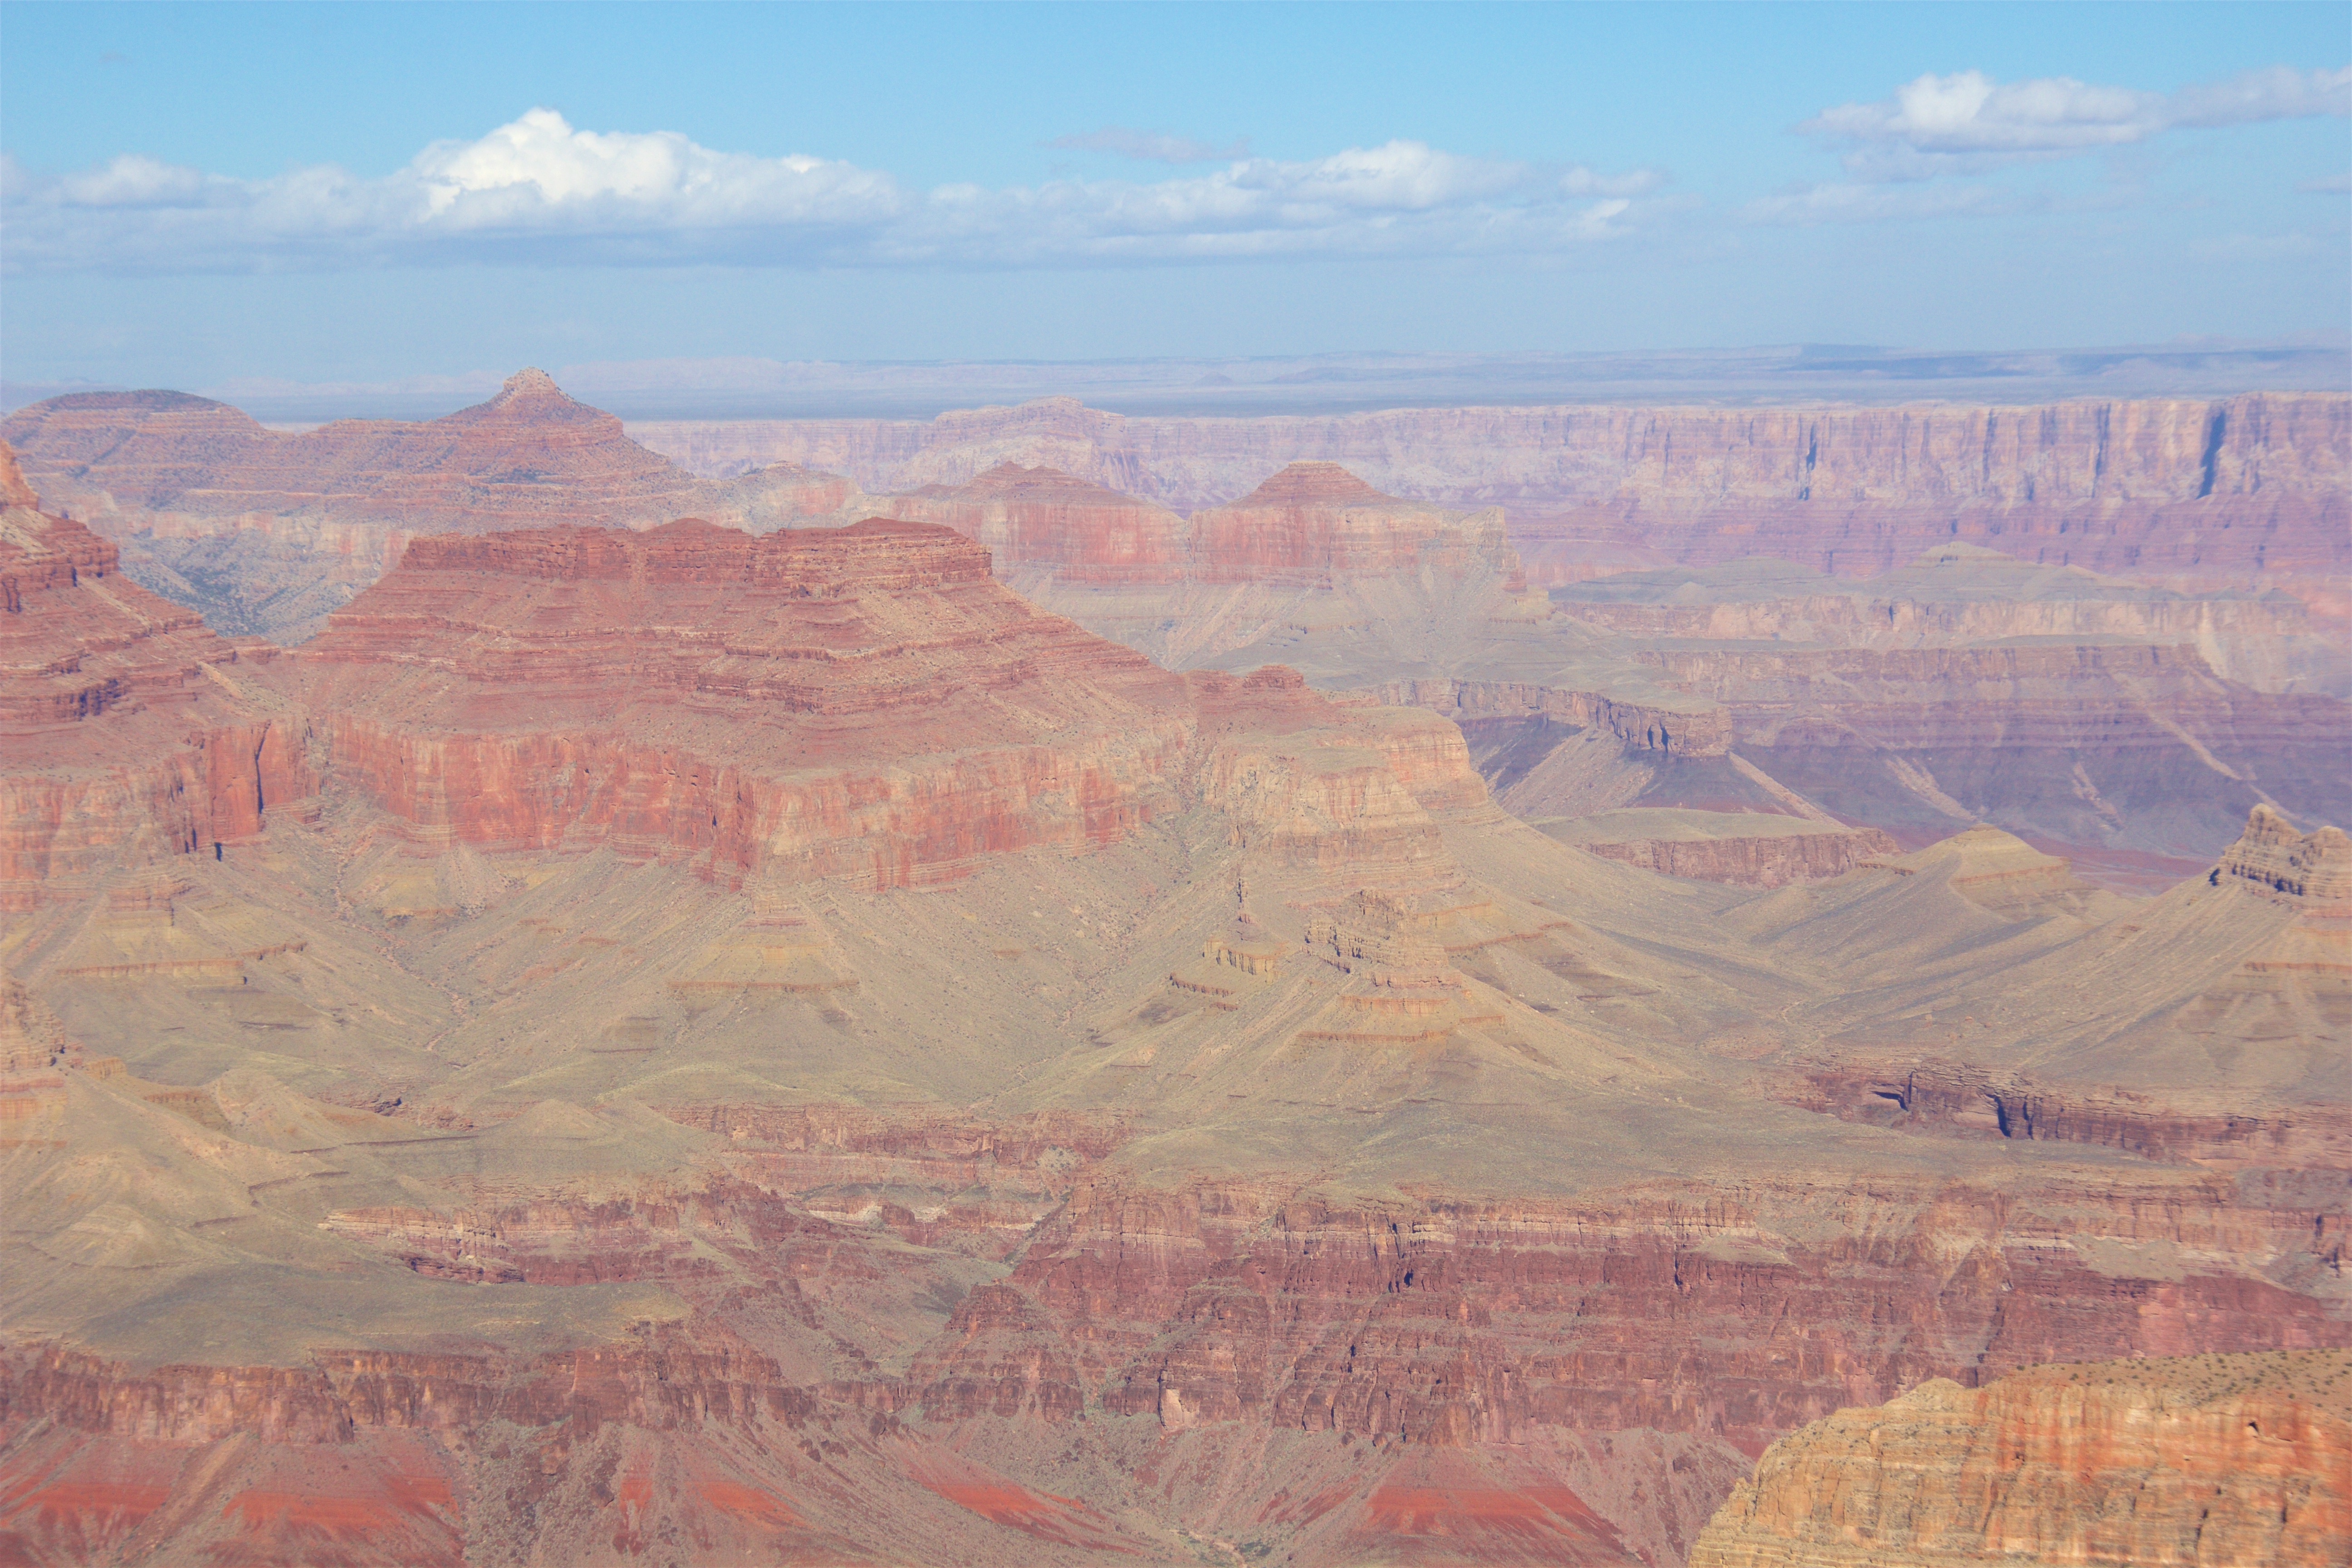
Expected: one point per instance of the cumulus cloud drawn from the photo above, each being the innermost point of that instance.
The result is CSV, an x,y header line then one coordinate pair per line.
x,y
1967,123
541,190
1151,146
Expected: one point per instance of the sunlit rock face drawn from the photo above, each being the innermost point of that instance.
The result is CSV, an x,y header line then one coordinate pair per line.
x,y
2208,1458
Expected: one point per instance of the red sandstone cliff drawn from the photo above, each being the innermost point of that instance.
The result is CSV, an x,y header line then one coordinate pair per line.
x,y
2238,1461
534,688
128,735
529,456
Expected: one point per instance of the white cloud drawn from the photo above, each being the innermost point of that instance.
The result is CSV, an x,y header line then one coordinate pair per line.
x,y
1967,123
541,190
1151,146
2328,186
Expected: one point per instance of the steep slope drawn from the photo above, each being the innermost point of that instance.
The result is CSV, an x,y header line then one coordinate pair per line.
x,y
267,530
2085,712
2223,1459
2111,750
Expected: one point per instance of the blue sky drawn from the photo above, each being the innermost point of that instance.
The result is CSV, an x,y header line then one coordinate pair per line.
x,y
352,193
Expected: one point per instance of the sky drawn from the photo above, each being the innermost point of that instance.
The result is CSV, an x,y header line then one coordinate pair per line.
x,y
195,195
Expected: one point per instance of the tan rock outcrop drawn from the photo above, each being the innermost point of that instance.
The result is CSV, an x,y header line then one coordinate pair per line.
x,y
2315,867
2237,1461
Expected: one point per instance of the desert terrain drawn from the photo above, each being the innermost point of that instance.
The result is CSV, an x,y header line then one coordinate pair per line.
x,y
1558,983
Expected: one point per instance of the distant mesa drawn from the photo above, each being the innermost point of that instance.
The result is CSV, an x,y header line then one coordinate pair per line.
x,y
1316,523
1039,519
267,531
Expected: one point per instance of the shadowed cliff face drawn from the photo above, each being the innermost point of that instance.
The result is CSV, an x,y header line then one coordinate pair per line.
x,y
2134,721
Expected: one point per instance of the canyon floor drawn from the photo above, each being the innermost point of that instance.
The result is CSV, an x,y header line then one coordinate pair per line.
x,y
1000,1023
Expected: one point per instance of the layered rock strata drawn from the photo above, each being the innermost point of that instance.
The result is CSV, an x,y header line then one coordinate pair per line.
x,y
864,700
2223,1459
771,1047
2137,748
1317,524
1753,849
2243,489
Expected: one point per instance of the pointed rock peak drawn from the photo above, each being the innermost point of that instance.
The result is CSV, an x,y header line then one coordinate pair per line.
x,y
1313,484
14,490
530,397
529,382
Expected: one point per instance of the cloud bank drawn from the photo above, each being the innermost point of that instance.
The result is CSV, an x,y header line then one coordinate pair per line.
x,y
1967,123
540,190
1902,154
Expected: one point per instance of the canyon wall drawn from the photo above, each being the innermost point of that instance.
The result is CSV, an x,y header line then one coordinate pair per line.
x,y
2246,489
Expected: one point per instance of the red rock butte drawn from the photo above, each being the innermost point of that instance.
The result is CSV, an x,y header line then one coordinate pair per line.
x,y
1040,517
1317,522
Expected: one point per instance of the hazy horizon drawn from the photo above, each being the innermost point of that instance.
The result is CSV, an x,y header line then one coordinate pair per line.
x,y
202,197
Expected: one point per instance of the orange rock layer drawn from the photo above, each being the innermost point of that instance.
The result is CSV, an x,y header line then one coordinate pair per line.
x,y
2236,1461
